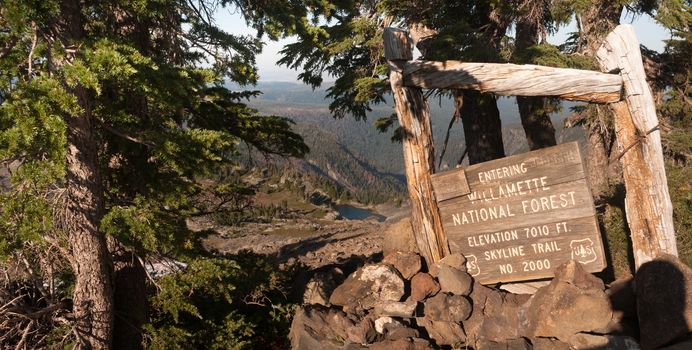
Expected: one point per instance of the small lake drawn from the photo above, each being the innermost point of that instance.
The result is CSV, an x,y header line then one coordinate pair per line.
x,y
350,212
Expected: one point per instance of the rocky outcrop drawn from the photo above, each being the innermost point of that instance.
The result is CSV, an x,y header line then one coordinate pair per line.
x,y
573,302
394,305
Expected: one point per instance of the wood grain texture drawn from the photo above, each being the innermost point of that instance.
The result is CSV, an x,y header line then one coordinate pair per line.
x,y
524,197
450,184
561,163
414,118
647,203
397,45
582,243
515,80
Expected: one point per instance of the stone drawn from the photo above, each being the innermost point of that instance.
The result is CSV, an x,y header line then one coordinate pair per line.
x,y
685,344
443,333
495,314
624,304
369,286
402,332
509,344
397,344
447,307
385,322
407,263
402,344
363,332
403,309
455,260
664,301
422,286
454,281
421,344
583,341
321,286
570,304
399,237
573,273
318,327
523,287
548,344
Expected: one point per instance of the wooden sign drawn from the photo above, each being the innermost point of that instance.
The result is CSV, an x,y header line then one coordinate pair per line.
x,y
518,218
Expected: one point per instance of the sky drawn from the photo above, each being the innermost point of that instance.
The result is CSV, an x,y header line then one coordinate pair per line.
x,y
650,34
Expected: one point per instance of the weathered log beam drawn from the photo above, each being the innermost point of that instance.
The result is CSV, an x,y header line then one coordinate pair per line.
x,y
414,117
647,202
515,80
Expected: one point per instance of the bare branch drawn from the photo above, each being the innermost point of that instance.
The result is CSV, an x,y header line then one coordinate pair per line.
x,y
30,60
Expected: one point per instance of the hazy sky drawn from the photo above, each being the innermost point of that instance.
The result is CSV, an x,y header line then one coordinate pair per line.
x,y
650,34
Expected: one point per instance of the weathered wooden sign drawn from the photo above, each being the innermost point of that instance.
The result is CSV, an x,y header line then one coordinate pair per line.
x,y
519,217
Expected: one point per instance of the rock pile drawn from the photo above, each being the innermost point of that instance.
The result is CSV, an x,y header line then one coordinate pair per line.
x,y
400,304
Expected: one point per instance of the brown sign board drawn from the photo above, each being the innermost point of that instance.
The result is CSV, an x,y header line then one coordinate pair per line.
x,y
518,218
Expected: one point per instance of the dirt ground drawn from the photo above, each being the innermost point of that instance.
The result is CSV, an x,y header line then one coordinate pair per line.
x,y
312,243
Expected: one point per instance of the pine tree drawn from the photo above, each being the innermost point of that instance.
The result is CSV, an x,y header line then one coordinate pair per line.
x,y
111,111
532,27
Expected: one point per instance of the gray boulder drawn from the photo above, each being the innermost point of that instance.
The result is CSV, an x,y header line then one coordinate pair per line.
x,y
447,307
455,281
369,286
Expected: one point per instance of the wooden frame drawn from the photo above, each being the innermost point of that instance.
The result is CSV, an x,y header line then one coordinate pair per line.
x,y
648,205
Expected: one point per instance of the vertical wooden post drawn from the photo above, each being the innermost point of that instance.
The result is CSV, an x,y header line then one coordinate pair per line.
x,y
647,202
414,117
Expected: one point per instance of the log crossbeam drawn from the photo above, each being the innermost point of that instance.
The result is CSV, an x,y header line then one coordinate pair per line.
x,y
515,80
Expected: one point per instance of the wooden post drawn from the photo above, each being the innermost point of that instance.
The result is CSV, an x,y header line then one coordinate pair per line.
x,y
647,202
414,117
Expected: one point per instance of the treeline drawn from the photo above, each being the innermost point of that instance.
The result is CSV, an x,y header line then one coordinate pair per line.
x,y
113,114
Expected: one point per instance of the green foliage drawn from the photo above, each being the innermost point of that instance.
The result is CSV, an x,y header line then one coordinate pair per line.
x,y
551,56
238,302
617,236
149,77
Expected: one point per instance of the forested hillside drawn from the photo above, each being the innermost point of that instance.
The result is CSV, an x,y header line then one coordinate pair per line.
x,y
360,139
156,193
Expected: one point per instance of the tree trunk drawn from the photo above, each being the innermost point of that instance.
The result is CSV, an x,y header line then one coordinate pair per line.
x,y
594,24
419,152
535,119
482,126
130,298
647,202
93,291
598,148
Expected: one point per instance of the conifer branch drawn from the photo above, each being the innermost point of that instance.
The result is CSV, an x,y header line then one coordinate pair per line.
x,y
8,46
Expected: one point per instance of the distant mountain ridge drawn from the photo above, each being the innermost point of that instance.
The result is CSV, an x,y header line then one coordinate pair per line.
x,y
354,155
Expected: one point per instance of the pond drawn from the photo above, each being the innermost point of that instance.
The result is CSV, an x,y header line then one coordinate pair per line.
x,y
350,212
